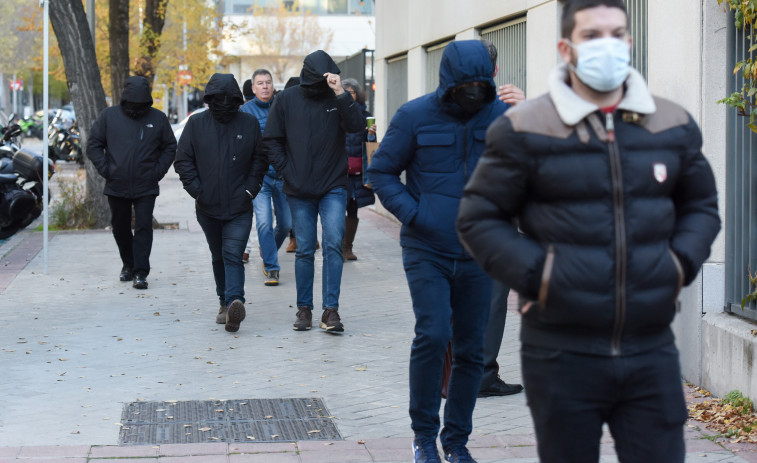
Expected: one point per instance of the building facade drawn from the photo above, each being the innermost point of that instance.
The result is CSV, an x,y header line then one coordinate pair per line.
x,y
693,68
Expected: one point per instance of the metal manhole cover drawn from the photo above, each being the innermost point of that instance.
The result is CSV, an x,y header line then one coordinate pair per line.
x,y
251,420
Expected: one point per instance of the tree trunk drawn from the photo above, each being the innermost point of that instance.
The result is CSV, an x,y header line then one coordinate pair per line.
x,y
155,19
83,78
119,47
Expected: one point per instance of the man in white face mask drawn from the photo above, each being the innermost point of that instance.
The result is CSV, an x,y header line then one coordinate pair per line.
x,y
618,209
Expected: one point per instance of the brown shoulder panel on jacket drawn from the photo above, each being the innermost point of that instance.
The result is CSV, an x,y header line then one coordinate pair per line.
x,y
667,116
538,116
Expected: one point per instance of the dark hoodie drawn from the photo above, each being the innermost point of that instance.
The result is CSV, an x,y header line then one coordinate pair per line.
x,y
223,97
132,144
304,134
221,164
438,144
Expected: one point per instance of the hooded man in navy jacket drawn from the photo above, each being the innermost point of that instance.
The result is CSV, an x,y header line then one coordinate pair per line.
x,y
437,140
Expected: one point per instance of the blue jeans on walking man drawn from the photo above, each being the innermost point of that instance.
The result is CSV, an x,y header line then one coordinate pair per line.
x,y
451,300
305,211
226,240
271,201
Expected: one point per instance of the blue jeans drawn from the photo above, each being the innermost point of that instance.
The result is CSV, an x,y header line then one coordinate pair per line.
x,y
451,301
270,238
305,211
226,240
639,396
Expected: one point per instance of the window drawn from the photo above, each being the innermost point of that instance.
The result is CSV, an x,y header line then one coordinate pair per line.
x,y
396,81
741,192
510,40
637,27
433,61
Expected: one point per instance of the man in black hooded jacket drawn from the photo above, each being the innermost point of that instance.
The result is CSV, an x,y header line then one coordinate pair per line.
x,y
304,138
132,146
221,164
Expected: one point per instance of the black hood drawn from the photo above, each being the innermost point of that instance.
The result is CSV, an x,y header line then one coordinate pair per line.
x,y
136,90
224,85
315,66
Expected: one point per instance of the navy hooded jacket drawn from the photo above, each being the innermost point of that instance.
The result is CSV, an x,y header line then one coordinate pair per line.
x,y
132,154
438,146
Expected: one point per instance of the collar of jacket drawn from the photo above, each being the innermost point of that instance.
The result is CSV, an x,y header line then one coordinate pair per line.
x,y
263,104
572,109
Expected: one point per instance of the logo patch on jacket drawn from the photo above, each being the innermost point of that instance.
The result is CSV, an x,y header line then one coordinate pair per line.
x,y
660,172
331,109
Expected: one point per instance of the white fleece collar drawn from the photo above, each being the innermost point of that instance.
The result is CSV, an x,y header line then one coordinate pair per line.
x,y
572,109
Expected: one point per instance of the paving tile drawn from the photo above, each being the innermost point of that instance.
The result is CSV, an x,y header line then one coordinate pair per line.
x,y
344,456
193,449
336,446
51,460
195,459
54,451
9,451
112,451
122,460
266,458
263,447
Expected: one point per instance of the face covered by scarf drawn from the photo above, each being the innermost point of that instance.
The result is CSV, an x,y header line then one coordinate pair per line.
x,y
470,97
135,110
223,108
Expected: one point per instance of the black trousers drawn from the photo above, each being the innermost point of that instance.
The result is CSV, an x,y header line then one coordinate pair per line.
x,y
134,248
572,395
495,328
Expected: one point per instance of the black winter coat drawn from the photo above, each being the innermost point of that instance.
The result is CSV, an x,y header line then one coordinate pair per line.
x,y
304,134
132,154
221,165
617,213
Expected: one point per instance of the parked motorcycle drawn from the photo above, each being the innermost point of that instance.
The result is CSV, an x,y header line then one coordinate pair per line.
x,y
31,126
65,144
10,139
21,188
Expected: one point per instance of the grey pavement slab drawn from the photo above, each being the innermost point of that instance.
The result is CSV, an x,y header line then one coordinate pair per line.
x,y
76,345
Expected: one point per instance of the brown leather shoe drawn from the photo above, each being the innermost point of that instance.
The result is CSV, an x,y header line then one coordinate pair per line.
x,y
292,246
235,315
304,318
221,317
330,321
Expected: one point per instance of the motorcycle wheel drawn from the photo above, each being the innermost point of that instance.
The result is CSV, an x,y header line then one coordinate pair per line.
x,y
7,232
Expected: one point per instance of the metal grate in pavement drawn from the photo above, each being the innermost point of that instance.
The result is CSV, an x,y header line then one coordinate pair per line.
x,y
250,420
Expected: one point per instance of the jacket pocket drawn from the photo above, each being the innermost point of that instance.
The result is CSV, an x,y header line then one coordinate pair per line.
x,y
436,152
546,276
679,269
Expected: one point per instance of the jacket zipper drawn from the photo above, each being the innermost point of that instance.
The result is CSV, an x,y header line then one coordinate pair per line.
x,y
620,237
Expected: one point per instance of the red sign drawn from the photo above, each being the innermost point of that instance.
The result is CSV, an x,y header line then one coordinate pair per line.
x,y
185,77
17,84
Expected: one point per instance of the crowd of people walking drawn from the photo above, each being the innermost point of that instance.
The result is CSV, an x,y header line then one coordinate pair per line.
x,y
594,202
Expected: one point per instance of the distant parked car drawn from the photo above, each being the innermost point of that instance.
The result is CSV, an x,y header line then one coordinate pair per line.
x,y
178,128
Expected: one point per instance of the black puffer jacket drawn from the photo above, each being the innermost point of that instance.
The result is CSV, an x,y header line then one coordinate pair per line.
x,y
615,219
304,134
221,164
132,154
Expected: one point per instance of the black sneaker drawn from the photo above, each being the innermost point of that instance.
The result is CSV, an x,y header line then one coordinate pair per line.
x,y
304,318
126,274
235,315
272,279
458,454
424,451
498,388
330,321
139,282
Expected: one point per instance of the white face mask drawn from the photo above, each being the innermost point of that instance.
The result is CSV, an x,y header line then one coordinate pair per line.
x,y
603,64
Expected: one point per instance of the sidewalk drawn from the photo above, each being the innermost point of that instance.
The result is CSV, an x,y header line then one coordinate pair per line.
x,y
77,346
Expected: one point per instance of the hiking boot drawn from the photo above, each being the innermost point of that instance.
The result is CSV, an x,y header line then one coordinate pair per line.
x,y
126,274
221,317
139,282
458,454
245,257
349,237
235,315
292,246
304,318
330,321
498,388
272,279
424,451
